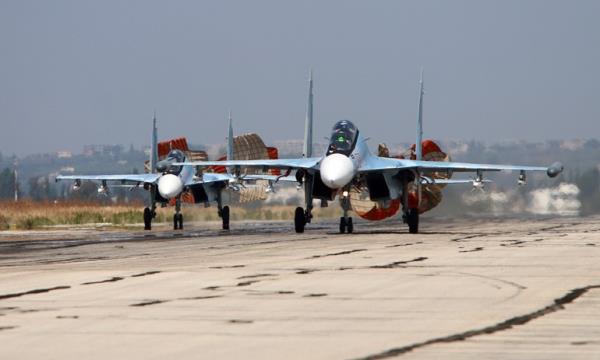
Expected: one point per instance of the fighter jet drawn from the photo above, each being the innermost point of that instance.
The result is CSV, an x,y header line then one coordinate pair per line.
x,y
171,177
348,164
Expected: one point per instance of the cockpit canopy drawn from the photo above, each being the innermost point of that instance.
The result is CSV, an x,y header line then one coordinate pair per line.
x,y
175,155
343,138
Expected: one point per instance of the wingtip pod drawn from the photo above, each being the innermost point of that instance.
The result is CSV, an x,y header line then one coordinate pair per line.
x,y
555,169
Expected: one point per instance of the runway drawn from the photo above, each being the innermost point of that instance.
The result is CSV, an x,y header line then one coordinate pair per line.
x,y
462,289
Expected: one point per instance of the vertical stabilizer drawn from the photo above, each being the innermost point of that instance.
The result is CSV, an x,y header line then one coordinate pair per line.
x,y
230,139
419,142
154,146
308,126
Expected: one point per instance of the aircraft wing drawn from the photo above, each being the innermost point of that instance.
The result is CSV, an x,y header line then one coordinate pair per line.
x,y
382,164
217,177
300,163
429,181
139,178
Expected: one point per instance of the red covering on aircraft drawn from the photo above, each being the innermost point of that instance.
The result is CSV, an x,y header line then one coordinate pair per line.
x,y
165,146
218,168
271,151
430,195
273,155
428,147
379,213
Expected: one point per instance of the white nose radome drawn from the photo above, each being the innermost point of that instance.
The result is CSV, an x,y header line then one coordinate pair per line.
x,y
336,171
169,186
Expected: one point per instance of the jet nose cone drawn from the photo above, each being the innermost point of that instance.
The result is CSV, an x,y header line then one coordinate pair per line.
x,y
169,186
337,170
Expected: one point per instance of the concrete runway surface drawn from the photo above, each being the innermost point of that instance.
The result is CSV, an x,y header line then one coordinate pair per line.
x,y
463,289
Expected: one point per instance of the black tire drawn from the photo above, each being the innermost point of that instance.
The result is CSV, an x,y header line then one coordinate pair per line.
x,y
225,217
299,220
413,221
147,219
342,225
349,226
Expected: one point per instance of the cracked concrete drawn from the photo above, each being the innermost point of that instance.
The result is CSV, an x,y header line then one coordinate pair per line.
x,y
531,292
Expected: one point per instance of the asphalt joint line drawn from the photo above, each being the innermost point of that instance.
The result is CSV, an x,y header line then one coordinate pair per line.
x,y
557,305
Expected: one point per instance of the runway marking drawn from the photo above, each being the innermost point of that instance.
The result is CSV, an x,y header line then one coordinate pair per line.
x,y
247,283
409,244
149,302
67,317
397,263
112,279
305,271
558,304
315,295
212,288
201,297
336,254
255,276
479,248
32,292
146,273
227,267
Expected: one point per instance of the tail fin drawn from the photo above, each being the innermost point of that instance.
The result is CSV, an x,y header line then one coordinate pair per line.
x,y
308,126
419,142
230,139
154,146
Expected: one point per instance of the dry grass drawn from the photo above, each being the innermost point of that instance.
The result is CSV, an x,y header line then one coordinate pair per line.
x,y
26,215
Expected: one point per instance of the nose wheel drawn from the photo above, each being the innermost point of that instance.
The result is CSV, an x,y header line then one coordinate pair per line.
x,y
178,221
178,217
346,225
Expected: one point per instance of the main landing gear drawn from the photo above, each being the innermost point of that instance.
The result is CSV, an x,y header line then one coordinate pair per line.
x,y
412,219
224,215
301,216
223,212
299,220
410,216
149,214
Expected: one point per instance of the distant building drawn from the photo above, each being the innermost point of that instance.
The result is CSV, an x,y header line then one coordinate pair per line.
x,y
64,154
109,150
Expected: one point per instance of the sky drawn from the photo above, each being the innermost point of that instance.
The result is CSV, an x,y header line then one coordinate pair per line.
x,y
93,72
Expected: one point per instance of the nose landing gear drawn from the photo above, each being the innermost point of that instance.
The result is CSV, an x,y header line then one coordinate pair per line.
x,y
346,221
178,217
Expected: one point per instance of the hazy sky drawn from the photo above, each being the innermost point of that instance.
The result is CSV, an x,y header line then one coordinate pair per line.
x,y
79,72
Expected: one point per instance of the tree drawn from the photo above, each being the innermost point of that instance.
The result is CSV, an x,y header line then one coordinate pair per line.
x,y
40,189
7,184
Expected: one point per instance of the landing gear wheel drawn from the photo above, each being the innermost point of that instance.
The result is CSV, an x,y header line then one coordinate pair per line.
x,y
299,220
349,226
147,219
343,225
225,217
412,218
178,222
